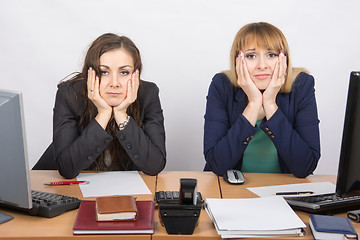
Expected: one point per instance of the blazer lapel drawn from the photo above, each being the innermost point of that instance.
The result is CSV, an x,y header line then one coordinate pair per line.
x,y
239,104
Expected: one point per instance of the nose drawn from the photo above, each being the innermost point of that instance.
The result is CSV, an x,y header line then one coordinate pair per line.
x,y
262,63
114,81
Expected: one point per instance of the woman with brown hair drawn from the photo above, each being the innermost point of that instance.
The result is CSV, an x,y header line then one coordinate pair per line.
x,y
106,118
261,115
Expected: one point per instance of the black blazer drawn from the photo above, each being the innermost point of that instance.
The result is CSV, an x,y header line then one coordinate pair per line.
x,y
75,149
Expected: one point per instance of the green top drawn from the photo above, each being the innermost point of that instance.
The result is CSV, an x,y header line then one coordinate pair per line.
x,y
261,154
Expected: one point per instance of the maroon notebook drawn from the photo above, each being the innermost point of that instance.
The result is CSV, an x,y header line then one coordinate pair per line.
x,y
85,222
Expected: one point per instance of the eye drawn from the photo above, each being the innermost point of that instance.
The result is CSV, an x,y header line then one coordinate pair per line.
x,y
103,73
272,55
250,55
124,73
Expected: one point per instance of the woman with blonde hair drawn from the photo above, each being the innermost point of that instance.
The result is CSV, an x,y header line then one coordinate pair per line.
x,y
261,115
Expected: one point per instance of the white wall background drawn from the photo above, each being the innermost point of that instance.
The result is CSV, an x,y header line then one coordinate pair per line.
x,y
183,44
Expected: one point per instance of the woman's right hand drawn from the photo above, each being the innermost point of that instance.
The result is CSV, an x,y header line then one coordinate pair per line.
x,y
104,109
253,94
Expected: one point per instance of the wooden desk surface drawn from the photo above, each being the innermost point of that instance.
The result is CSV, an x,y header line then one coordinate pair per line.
x,y
260,180
60,227
207,184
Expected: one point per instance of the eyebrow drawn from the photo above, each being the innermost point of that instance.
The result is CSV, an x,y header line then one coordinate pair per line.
x,y
253,49
125,66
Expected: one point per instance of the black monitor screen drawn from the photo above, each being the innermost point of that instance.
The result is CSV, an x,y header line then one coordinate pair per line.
x,y
348,180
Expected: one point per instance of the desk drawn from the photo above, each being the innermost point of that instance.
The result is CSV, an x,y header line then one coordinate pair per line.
x,y
60,227
207,184
211,186
261,179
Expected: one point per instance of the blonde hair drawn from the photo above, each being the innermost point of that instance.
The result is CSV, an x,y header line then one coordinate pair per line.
x,y
263,35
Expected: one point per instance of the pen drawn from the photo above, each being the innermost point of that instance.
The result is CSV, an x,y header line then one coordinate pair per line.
x,y
66,183
294,193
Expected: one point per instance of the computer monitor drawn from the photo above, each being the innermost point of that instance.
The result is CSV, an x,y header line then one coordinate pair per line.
x,y
348,178
14,178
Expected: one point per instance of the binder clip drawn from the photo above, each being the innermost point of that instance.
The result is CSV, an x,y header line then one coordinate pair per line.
x,y
182,218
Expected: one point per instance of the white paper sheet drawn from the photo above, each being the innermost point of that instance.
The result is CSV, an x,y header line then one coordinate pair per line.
x,y
112,183
252,214
317,188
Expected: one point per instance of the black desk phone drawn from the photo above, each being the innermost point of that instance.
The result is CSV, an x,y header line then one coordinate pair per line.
x,y
182,214
172,197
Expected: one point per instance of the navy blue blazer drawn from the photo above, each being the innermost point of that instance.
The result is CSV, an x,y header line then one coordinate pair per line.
x,y
294,127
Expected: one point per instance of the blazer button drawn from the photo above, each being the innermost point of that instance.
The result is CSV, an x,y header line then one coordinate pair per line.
x,y
107,140
98,149
136,156
267,129
270,133
272,136
245,143
122,136
90,157
128,146
248,139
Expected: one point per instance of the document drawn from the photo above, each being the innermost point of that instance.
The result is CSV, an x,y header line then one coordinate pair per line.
x,y
112,183
316,189
254,217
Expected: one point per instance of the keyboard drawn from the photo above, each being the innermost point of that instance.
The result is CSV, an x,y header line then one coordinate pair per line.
x,y
48,205
172,197
324,202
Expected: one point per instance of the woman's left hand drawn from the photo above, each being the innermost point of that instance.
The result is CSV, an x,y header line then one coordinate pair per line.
x,y
276,82
131,95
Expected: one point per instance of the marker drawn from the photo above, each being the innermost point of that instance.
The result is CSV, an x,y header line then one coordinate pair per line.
x,y
294,193
66,183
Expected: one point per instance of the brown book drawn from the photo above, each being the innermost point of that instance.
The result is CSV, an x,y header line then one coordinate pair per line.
x,y
116,208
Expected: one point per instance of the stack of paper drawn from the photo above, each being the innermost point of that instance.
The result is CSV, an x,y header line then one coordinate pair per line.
x,y
254,217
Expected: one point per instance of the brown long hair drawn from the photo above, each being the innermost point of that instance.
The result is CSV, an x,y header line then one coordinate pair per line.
x,y
264,35
103,44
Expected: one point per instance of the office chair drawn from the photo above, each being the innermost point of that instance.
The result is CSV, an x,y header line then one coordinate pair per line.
x,y
46,161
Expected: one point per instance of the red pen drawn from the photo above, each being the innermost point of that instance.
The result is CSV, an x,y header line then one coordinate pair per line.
x,y
66,183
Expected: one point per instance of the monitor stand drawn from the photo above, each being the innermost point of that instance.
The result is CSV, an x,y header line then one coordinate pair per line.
x,y
5,217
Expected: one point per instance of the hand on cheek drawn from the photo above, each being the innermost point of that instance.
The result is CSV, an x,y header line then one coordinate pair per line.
x,y
93,85
245,82
104,110
131,94
276,82
251,112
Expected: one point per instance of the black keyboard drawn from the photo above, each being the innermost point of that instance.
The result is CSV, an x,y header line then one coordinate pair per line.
x,y
172,197
49,205
324,202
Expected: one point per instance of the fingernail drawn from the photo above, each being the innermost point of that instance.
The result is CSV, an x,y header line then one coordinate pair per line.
x,y
241,54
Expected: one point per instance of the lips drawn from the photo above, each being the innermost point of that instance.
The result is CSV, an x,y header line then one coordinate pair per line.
x,y
113,94
262,76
